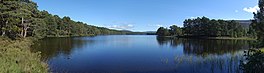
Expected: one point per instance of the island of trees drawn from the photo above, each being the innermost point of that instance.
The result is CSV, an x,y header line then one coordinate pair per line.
x,y
205,27
21,21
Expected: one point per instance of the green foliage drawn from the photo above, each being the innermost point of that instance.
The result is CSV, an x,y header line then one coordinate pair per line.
x,y
254,61
252,32
262,49
173,31
213,28
258,23
163,32
204,27
15,57
21,18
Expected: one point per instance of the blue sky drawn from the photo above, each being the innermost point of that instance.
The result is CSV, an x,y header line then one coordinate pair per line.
x,y
146,15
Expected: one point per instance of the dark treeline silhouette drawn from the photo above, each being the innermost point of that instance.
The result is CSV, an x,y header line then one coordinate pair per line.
x,y
258,23
173,31
254,58
205,27
21,18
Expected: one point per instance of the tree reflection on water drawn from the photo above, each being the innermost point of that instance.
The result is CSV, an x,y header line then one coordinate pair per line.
x,y
206,46
220,56
51,47
184,56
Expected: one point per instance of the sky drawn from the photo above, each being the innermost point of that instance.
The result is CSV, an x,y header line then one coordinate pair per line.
x,y
147,15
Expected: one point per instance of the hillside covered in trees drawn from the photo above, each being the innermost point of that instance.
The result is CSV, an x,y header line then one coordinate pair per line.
x,y
205,27
21,18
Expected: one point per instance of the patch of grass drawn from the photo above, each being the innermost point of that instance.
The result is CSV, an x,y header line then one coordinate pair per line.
x,y
16,57
262,49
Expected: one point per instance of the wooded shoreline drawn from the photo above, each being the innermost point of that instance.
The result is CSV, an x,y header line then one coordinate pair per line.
x,y
212,38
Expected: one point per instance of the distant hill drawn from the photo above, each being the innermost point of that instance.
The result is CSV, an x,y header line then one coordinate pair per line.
x,y
245,23
151,32
128,32
125,30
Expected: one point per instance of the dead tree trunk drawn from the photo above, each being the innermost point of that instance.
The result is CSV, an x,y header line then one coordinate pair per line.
x,y
4,30
25,31
22,31
25,27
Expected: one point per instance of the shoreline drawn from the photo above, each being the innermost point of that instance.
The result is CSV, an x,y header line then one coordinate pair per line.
x,y
212,38
62,36
188,37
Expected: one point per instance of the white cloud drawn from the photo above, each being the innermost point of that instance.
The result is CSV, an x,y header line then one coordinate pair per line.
x,y
116,25
129,25
122,27
99,25
194,17
236,11
251,9
155,25
177,25
158,25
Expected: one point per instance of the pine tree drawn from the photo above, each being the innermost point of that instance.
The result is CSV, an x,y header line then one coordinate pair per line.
x,y
258,23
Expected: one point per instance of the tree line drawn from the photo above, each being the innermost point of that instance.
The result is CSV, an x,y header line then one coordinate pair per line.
x,y
21,18
205,27
254,59
258,24
172,31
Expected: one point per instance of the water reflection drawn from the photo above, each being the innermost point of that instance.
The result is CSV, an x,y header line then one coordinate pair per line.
x,y
210,64
52,47
204,47
207,56
141,54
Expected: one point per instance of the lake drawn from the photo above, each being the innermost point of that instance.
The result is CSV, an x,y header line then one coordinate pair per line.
x,y
141,54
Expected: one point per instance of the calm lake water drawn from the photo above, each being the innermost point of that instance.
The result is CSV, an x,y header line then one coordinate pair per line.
x,y
141,54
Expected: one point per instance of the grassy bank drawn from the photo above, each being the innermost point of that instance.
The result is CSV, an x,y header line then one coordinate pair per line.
x,y
262,49
16,57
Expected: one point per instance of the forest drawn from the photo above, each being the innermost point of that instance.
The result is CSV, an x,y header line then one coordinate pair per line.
x,y
205,27
21,24
21,18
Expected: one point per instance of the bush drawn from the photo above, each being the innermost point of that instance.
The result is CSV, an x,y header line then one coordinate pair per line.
x,y
16,57
254,61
